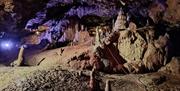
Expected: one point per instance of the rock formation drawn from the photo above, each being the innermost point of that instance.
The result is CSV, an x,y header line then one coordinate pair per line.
x,y
19,60
139,47
67,38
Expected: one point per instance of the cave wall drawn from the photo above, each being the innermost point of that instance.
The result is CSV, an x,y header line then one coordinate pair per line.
x,y
15,15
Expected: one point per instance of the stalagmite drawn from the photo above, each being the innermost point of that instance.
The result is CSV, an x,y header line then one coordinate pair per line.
x,y
120,22
76,38
107,87
19,60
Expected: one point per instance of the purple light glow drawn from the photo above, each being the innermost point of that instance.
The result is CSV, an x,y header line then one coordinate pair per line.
x,y
6,45
58,26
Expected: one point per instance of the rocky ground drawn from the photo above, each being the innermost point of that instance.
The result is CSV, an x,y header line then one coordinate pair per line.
x,y
48,78
55,71
68,68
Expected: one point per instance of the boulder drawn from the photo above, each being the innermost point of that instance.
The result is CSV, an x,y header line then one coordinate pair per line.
x,y
173,67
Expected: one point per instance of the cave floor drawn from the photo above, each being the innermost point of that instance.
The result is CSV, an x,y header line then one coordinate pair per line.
x,y
52,73
63,79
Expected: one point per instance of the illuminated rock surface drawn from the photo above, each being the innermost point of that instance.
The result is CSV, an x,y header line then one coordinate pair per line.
x,y
52,69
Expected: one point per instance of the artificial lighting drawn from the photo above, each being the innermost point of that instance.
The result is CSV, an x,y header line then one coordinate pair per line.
x,y
6,45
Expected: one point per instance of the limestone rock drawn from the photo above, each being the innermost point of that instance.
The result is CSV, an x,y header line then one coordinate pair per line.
x,y
172,13
19,60
131,45
120,22
173,67
142,51
8,5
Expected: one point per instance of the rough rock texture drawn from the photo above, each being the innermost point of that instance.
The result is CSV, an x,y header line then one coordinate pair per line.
x,y
16,15
143,49
131,46
47,12
137,10
8,5
58,79
173,67
172,14
71,56
47,79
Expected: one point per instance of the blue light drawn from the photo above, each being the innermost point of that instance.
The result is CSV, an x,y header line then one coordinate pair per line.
x,y
6,45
